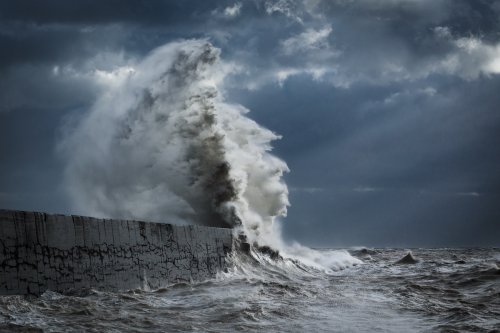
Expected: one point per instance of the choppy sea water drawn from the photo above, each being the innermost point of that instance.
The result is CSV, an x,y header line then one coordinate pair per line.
x,y
448,290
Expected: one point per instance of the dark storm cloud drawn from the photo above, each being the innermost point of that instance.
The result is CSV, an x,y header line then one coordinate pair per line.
x,y
104,12
403,164
389,138
51,31
382,41
413,165
388,109
34,44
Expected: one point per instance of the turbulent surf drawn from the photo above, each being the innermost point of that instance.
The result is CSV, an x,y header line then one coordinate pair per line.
x,y
448,290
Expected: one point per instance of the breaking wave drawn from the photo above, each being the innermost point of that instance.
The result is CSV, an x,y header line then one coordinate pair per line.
x,y
162,144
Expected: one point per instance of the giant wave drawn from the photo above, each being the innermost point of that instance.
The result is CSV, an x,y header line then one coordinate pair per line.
x,y
163,144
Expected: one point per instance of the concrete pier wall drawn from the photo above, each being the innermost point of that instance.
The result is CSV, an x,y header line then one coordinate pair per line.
x,y
40,251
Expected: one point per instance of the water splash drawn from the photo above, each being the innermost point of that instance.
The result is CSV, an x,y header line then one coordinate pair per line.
x,y
162,144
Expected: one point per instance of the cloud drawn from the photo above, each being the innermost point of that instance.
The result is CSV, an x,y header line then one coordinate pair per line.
x,y
469,57
365,189
366,46
405,95
469,194
309,40
67,84
233,11
289,8
309,190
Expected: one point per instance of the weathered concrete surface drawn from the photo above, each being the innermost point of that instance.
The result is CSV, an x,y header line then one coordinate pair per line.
x,y
41,251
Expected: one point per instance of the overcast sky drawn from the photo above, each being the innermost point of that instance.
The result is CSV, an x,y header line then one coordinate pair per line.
x,y
389,110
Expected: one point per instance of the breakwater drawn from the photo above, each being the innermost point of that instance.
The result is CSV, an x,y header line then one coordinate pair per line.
x,y
40,251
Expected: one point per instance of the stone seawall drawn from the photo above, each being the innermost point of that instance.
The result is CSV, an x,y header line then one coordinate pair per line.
x,y
40,251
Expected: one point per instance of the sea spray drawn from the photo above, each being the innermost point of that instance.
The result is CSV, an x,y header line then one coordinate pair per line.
x,y
162,144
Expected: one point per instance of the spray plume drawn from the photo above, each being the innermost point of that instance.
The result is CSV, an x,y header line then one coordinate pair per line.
x,y
163,145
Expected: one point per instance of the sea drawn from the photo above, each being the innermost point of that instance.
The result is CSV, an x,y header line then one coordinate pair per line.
x,y
446,290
